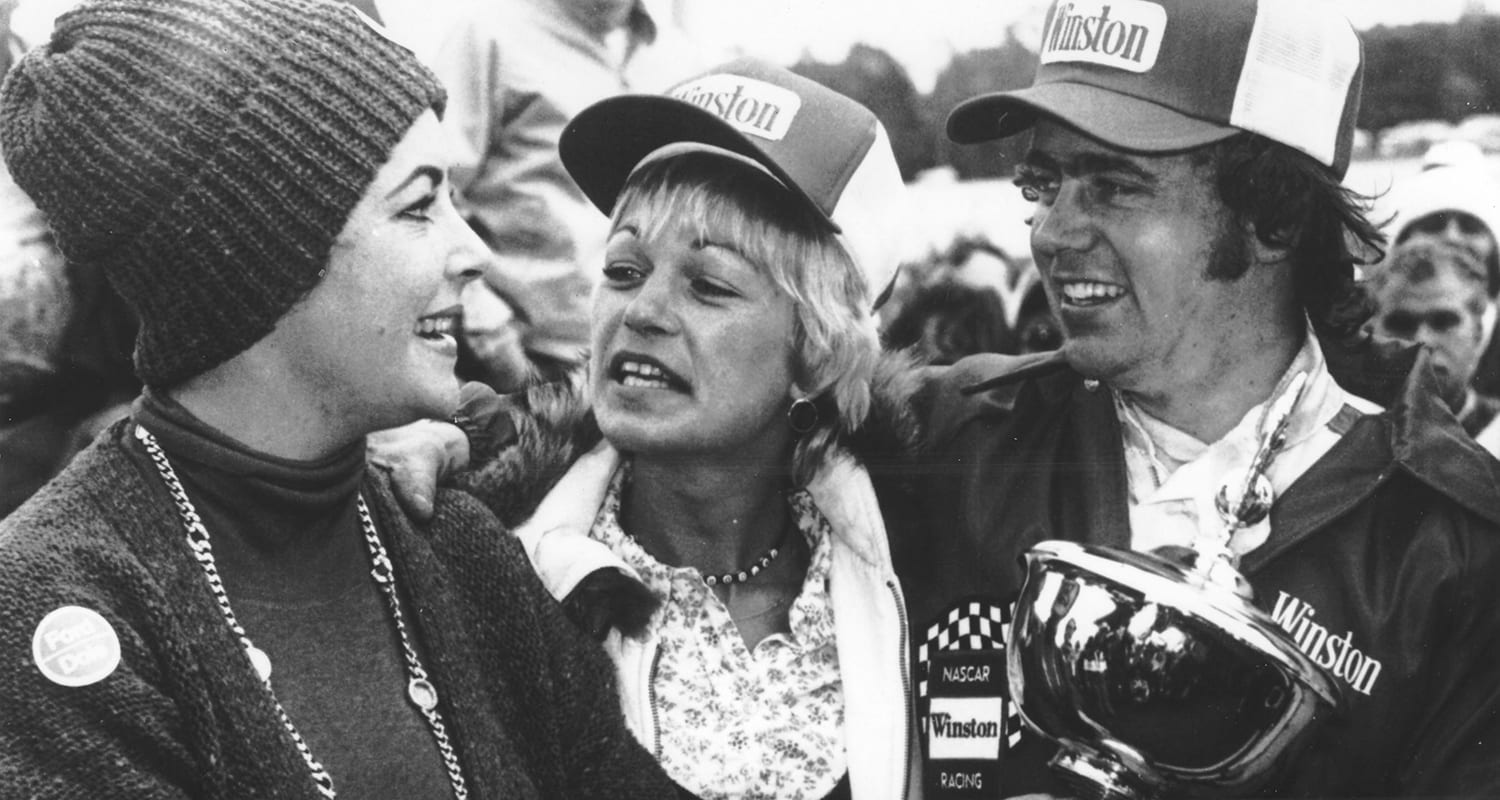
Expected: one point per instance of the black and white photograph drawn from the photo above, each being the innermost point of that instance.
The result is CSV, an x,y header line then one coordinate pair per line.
x,y
749,399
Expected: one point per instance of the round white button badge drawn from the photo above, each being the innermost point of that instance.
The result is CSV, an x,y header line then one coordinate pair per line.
x,y
75,646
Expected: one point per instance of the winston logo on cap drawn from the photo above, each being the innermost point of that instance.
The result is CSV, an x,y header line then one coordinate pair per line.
x,y
1124,34
753,107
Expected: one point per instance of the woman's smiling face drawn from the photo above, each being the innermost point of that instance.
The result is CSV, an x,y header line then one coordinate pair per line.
x,y
693,344
375,339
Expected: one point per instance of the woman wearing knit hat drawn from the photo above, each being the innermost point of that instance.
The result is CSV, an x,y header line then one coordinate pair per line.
x,y
217,599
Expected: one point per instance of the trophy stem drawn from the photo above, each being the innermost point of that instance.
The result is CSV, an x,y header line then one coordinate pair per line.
x,y
1094,777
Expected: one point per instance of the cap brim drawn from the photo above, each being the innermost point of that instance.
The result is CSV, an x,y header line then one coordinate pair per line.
x,y
605,142
1126,122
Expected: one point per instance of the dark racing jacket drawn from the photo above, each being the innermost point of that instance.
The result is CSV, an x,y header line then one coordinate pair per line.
x,y
1383,564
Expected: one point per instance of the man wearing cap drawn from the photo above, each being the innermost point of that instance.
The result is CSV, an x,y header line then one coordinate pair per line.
x,y
1197,248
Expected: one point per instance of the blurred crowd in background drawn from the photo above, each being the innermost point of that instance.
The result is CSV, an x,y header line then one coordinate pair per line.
x,y
517,70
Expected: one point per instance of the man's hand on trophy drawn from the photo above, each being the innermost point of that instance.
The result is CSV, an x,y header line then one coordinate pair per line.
x,y
418,456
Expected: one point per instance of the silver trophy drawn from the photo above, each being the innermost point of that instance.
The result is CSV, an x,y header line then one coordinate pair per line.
x,y
1157,676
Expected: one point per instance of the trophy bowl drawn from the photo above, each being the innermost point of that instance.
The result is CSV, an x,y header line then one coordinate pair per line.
x,y
1154,680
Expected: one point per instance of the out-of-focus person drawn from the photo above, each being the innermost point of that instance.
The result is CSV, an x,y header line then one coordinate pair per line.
x,y
458,39
65,338
494,351
218,598
1037,329
943,321
518,71
1455,199
1434,293
977,261
1460,153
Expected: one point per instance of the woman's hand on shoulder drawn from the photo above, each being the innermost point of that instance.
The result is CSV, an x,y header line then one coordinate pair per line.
x,y
418,456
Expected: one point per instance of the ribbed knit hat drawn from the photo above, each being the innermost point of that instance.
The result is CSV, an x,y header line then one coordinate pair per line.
x,y
205,154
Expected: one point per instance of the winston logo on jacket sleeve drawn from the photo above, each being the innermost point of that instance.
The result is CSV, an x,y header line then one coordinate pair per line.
x,y
1334,653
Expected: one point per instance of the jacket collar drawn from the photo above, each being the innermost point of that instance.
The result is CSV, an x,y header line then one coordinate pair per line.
x,y
557,542
1096,486
1416,435
1423,438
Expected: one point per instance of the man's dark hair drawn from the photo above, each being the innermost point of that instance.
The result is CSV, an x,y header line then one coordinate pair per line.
x,y
1294,202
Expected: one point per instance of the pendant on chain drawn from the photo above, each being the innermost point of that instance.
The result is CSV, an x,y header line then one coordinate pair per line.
x,y
260,661
422,693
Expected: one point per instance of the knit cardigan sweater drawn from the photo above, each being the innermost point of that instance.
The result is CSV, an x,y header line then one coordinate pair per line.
x,y
528,702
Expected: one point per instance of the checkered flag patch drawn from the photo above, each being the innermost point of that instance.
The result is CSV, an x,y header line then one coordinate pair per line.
x,y
971,625
968,626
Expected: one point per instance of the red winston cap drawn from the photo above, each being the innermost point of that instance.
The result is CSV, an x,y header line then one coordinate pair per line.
x,y
1172,75
829,151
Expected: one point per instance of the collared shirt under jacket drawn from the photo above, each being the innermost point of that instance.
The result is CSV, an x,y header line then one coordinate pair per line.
x,y
1383,560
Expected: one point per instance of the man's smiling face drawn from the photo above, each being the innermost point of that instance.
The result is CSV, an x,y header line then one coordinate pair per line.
x,y
1125,244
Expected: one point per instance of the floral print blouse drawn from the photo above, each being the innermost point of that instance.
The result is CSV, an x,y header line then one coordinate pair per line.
x,y
737,723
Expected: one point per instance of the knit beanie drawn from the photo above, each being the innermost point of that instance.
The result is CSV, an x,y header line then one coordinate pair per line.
x,y
1465,188
205,154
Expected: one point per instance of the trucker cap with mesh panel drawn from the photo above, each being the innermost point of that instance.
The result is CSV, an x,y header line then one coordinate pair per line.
x,y
829,151
1171,75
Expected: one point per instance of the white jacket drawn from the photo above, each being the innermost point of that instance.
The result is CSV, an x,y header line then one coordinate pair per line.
x,y
868,611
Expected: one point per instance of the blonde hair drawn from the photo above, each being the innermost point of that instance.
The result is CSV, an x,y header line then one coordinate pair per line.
x,y
835,339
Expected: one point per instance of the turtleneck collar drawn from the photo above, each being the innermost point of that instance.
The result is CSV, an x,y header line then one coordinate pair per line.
x,y
282,497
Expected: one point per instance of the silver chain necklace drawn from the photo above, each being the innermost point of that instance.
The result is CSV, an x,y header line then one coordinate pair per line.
x,y
1254,494
418,688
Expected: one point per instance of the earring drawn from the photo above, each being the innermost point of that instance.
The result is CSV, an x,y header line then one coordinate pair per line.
x,y
802,416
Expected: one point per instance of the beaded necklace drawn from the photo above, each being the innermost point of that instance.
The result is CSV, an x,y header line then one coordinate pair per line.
x,y
731,577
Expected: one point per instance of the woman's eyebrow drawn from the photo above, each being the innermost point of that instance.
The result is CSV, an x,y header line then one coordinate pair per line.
x,y
427,171
705,242
625,231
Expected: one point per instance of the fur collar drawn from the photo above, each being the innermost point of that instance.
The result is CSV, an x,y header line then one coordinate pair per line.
x,y
522,443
